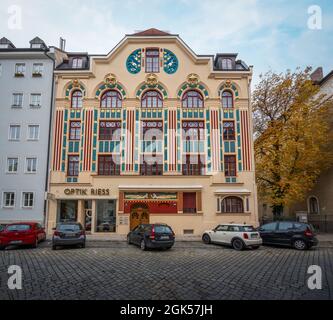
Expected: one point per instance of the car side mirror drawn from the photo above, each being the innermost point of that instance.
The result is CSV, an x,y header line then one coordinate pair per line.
x,y
54,229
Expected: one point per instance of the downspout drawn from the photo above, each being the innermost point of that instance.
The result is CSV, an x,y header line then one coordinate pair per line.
x,y
49,143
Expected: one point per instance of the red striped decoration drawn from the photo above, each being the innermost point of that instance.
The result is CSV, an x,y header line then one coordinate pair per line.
x,y
58,132
88,136
215,139
130,139
172,138
246,153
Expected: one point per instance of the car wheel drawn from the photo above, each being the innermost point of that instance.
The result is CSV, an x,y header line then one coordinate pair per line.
x,y
2,247
206,239
300,244
238,244
143,245
129,240
255,247
83,245
54,247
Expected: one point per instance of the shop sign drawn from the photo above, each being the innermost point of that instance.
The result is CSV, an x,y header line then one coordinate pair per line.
x,y
151,196
86,192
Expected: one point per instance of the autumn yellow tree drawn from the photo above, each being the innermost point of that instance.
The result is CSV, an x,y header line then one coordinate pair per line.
x,y
292,136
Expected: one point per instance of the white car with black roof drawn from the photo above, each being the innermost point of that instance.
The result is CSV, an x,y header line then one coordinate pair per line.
x,y
239,236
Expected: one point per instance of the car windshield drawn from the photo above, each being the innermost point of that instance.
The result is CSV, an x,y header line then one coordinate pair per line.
x,y
68,227
19,227
1,228
162,229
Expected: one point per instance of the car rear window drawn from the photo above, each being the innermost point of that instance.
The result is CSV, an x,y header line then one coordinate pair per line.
x,y
162,229
69,227
19,227
249,229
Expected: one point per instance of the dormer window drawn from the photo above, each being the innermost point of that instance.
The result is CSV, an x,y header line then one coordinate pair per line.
x,y
36,46
77,63
153,60
226,64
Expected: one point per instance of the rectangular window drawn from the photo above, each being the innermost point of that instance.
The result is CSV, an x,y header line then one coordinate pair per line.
x,y
75,130
106,215
193,165
151,166
109,165
9,199
0,70
14,132
19,69
17,100
228,130
28,200
31,165
35,100
152,60
77,63
230,166
37,69
12,165
189,202
110,130
33,132
73,166
67,211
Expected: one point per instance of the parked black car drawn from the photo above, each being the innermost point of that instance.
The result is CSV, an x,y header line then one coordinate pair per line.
x,y
300,236
149,236
68,234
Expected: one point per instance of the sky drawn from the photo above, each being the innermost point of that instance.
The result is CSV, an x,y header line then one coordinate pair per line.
x,y
268,34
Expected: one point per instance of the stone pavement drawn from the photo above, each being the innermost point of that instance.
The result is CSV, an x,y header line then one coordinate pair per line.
x,y
191,270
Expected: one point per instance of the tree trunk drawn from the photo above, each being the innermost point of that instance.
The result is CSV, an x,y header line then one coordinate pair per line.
x,y
277,211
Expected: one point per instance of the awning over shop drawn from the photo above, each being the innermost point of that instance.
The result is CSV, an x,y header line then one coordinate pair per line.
x,y
160,187
232,191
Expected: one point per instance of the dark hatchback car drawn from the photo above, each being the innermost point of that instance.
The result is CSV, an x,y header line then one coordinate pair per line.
x,y
68,234
150,236
300,236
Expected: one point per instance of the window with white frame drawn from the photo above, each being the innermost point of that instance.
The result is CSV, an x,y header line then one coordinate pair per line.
x,y
20,69
28,200
12,165
9,199
35,100
37,69
17,100
14,132
77,63
33,132
31,165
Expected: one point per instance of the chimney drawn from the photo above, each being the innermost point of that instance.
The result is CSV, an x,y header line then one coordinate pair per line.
x,y
62,45
317,75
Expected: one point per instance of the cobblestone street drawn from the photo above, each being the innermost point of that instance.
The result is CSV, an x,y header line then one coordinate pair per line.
x,y
191,270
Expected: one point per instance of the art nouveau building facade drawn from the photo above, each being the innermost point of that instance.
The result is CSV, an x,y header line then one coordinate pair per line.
x,y
152,132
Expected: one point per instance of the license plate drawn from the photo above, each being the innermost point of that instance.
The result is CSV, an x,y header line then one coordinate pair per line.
x,y
164,238
254,236
16,242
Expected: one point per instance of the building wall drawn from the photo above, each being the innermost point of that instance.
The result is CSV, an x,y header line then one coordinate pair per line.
x,y
210,187
21,181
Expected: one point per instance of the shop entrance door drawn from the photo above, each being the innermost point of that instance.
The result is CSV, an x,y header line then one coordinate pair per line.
x,y
139,215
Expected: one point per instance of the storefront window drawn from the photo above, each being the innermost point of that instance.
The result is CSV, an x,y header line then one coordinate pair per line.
x,y
106,216
67,211
88,214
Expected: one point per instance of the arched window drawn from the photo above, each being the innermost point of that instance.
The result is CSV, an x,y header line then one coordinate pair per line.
x,y
226,64
313,205
232,205
111,99
227,99
77,99
192,99
152,99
